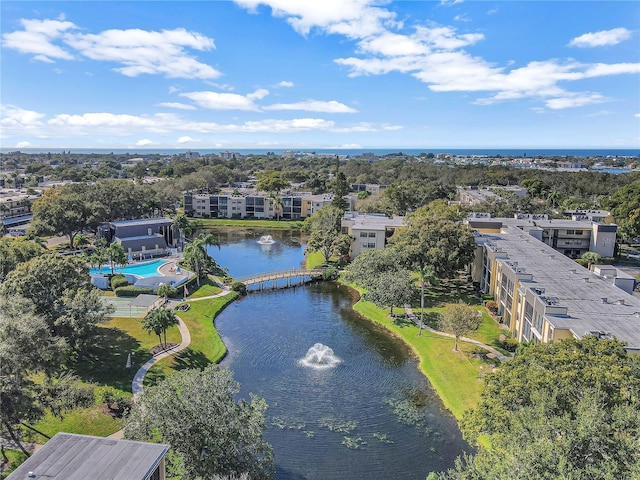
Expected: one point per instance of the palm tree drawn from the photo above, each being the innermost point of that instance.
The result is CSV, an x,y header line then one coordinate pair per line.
x,y
277,203
117,256
183,225
196,252
159,321
164,290
152,323
428,276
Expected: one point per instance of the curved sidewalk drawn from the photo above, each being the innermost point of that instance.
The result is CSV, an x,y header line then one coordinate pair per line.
x,y
412,316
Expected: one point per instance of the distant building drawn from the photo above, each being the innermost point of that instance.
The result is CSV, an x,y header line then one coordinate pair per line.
x,y
15,211
372,188
370,231
599,216
241,204
81,457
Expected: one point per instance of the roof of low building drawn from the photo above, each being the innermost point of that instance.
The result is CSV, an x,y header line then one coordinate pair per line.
x,y
81,457
143,221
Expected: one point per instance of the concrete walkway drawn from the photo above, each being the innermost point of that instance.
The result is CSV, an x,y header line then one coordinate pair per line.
x,y
500,356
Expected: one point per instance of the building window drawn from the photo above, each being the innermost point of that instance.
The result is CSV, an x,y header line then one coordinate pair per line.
x,y
578,232
571,232
363,234
371,245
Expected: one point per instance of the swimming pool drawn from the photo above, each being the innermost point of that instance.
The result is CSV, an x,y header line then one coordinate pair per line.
x,y
144,270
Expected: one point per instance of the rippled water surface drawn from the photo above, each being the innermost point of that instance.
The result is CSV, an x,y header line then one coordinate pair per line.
x,y
370,416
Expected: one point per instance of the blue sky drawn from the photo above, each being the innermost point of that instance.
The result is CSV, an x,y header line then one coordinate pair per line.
x,y
277,74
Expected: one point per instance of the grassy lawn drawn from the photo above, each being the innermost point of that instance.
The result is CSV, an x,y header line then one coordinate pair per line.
x,y
453,375
207,288
248,223
206,345
314,260
15,457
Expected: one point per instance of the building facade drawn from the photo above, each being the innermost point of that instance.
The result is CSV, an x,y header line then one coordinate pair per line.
x,y
369,231
142,238
544,296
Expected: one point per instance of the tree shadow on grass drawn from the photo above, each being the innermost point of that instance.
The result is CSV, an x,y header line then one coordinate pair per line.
x,y
189,358
105,362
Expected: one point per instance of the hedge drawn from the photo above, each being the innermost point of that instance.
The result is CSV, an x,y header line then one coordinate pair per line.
x,y
118,281
132,291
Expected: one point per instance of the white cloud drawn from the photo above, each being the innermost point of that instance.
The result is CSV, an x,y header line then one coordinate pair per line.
x,y
138,51
144,142
313,106
226,101
24,144
37,39
19,118
462,18
178,105
435,55
602,38
185,139
448,3
285,84
574,100
637,115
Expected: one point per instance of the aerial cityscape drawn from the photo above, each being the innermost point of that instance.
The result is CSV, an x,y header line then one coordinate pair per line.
x,y
350,239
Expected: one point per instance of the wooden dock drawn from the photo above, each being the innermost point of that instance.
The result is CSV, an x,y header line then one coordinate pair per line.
x,y
282,278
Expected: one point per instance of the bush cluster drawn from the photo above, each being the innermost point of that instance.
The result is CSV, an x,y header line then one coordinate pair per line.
x,y
239,287
117,281
132,291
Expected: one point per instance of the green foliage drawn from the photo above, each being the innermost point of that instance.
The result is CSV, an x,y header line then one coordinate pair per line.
x,y
239,287
369,264
158,321
14,251
625,208
325,232
195,411
118,281
510,344
197,257
569,409
444,245
459,319
270,181
132,291
390,289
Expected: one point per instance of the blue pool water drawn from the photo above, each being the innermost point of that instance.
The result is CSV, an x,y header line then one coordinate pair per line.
x,y
144,270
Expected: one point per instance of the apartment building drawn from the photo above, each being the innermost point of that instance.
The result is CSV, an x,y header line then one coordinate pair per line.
x,y
543,296
370,231
15,210
293,206
569,237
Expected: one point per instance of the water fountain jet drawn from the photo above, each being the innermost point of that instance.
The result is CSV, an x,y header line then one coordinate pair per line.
x,y
320,357
266,240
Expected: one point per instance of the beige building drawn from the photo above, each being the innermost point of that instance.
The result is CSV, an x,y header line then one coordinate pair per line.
x,y
569,237
543,296
370,231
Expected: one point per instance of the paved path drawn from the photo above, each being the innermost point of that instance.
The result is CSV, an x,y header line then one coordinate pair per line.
x,y
500,356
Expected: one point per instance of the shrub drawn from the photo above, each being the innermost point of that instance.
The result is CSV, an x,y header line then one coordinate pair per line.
x,y
510,344
132,291
118,281
492,306
330,273
239,287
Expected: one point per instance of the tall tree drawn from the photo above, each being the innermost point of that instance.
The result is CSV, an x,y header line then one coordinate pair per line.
x,y
117,256
159,321
197,256
459,319
27,349
183,225
444,245
428,278
14,251
325,231
60,213
625,208
569,409
391,289
209,431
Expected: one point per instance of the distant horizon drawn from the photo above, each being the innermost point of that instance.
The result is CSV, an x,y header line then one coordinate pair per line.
x,y
523,151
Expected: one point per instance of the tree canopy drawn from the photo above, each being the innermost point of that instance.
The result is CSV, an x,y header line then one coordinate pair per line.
x,y
444,245
210,433
625,208
567,410
459,319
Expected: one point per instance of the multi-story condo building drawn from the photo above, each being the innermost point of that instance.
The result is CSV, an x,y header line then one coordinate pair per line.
x,y
543,296
569,237
369,231
15,210
293,206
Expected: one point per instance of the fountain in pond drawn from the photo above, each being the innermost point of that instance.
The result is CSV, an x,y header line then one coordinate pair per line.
x,y
320,357
266,240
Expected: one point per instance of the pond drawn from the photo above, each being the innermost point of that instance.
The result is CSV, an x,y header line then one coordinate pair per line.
x,y
361,410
